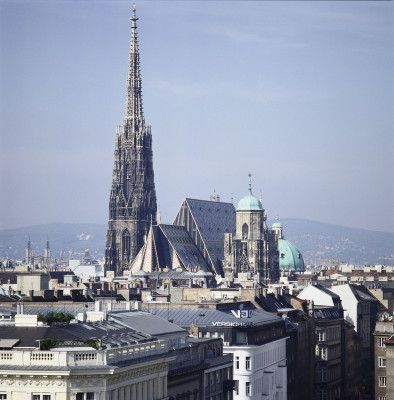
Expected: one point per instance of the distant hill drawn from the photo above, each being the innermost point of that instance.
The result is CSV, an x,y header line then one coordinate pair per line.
x,y
317,241
66,237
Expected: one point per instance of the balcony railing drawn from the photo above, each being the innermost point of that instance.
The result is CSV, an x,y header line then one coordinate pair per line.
x,y
387,327
75,357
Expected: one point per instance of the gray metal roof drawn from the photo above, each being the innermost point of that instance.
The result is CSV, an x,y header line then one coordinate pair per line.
x,y
111,333
150,324
53,307
184,317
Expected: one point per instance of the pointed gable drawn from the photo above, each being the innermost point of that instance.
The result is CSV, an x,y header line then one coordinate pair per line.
x,y
207,222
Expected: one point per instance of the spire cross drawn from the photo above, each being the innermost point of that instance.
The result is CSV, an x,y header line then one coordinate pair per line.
x,y
134,18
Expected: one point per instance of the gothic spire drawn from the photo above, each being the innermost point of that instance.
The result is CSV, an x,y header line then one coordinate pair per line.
x,y
133,110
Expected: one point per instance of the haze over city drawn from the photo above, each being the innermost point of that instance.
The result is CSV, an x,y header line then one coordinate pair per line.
x,y
300,94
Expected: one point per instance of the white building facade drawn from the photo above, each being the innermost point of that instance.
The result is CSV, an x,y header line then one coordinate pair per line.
x,y
261,371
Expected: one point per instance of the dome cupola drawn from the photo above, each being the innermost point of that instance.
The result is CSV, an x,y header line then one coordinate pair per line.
x,y
249,202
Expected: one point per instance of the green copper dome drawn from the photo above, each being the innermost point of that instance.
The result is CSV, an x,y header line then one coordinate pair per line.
x,y
277,224
249,203
290,258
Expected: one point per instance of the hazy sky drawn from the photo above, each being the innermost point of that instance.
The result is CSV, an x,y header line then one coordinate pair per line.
x,y
300,94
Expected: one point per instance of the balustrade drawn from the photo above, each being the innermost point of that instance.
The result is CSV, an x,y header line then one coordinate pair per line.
x,y
73,357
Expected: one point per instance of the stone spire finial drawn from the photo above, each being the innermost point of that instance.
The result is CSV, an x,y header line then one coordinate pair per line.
x,y
134,111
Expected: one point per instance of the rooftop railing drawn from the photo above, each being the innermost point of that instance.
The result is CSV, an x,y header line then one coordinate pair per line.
x,y
74,357
387,327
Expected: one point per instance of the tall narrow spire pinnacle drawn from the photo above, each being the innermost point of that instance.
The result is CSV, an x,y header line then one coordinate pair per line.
x,y
132,203
134,109
250,182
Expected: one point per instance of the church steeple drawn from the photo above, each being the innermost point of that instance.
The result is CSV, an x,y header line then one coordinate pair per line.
x,y
28,258
132,203
47,253
134,111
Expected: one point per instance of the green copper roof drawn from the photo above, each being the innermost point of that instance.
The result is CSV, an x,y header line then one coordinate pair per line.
x,y
290,258
277,224
249,203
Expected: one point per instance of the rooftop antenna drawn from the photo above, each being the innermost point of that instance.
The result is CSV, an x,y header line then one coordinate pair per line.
x,y
232,199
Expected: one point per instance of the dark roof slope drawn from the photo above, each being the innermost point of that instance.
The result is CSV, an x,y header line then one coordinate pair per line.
x,y
184,317
184,246
147,323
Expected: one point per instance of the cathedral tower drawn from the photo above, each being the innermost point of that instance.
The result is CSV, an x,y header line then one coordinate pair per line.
x,y
132,203
29,253
251,254
47,253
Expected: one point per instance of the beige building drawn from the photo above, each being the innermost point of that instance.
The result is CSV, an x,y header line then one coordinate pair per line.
x,y
390,368
64,363
383,332
31,281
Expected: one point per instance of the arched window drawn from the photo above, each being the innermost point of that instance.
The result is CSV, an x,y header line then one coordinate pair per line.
x,y
126,245
245,231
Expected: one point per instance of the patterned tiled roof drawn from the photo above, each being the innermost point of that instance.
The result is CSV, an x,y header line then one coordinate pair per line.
x,y
184,246
213,219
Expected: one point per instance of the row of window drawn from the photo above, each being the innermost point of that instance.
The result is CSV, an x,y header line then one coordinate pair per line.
x,y
247,363
248,389
322,352
322,393
212,377
328,334
40,396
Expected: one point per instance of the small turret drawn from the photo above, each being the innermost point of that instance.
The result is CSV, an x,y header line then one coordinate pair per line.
x,y
277,228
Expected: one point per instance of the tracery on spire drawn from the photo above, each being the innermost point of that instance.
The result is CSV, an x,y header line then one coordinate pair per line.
x,y
134,110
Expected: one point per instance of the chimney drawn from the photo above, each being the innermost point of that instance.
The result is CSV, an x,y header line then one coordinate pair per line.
x,y
98,305
48,294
